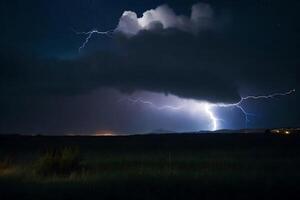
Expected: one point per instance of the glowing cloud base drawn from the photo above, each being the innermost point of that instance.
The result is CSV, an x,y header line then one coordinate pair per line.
x,y
208,108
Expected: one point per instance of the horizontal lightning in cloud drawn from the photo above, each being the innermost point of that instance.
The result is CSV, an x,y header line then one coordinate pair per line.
x,y
269,96
90,34
239,106
207,108
164,107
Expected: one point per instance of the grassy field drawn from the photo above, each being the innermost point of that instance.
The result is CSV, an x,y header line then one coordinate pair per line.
x,y
205,166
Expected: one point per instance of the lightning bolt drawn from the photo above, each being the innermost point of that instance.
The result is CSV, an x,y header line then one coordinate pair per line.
x,y
195,106
211,115
269,96
89,35
246,114
208,107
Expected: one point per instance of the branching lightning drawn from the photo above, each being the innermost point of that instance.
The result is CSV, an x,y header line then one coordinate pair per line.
x,y
195,106
208,108
89,34
269,96
190,105
246,114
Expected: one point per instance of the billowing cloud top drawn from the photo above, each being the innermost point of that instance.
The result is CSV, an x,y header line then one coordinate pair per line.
x,y
163,17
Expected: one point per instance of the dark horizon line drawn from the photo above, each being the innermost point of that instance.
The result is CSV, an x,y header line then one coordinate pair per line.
x,y
220,131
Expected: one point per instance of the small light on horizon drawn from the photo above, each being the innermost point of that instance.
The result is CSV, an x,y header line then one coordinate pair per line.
x,y
287,132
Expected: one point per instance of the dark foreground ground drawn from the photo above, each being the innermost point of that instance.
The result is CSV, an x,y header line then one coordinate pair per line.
x,y
206,166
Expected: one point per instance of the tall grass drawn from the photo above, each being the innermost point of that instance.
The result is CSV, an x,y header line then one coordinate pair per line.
x,y
60,162
5,162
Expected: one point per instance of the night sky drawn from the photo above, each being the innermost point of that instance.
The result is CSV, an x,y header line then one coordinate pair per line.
x,y
171,70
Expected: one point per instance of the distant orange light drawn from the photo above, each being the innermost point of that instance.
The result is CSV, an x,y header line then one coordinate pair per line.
x,y
104,133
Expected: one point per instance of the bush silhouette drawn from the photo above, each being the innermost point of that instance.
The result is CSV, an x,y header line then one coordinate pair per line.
x,y
61,162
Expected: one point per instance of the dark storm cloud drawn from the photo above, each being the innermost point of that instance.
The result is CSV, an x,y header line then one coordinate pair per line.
x,y
170,62
167,53
176,62
207,66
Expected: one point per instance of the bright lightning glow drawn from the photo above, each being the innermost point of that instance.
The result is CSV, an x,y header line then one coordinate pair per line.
x,y
191,106
212,116
90,34
199,107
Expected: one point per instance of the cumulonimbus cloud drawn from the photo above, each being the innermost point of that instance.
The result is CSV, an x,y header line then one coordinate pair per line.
x,y
164,17
177,63
202,66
